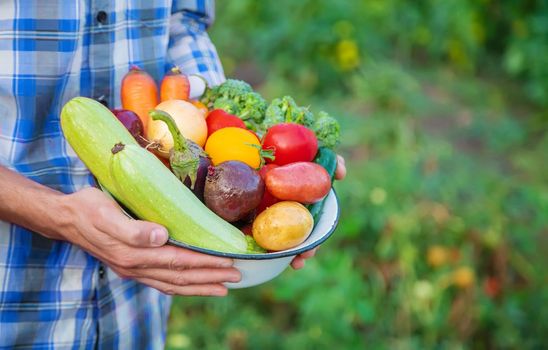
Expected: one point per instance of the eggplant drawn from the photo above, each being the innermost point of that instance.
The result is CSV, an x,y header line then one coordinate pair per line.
x,y
233,190
199,182
185,156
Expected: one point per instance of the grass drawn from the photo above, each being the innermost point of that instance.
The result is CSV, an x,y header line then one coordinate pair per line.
x,y
442,233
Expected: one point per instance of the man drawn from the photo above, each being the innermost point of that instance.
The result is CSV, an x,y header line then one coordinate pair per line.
x,y
74,271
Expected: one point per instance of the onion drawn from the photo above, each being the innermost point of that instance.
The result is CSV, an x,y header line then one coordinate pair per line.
x,y
133,124
189,119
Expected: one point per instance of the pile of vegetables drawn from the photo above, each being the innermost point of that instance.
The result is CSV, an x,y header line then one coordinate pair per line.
x,y
248,166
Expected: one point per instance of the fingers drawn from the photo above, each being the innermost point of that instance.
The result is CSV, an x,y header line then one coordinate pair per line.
x,y
144,234
309,254
340,172
171,258
297,263
109,218
185,277
196,290
135,233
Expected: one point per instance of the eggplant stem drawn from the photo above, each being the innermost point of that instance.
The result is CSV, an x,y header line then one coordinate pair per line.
x,y
179,142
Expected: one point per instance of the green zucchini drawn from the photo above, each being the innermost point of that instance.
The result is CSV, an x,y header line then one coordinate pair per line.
x,y
153,193
91,129
328,159
140,181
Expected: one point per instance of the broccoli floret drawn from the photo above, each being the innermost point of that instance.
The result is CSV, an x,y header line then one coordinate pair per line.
x,y
234,88
253,107
231,89
289,108
285,110
209,95
327,130
301,115
238,98
226,105
273,115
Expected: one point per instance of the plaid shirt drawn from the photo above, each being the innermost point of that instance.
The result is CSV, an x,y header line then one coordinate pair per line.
x,y
52,294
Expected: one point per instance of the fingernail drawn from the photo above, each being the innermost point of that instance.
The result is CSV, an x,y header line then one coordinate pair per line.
x,y
158,237
235,278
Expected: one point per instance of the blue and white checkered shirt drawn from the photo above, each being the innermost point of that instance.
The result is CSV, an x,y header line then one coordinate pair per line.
x,y
52,294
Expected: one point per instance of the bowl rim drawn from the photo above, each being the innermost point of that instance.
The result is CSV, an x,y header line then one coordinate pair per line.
x,y
242,256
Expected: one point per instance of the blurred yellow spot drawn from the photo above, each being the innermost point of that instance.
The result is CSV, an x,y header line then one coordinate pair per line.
x,y
437,256
377,196
491,237
423,290
347,54
463,277
178,341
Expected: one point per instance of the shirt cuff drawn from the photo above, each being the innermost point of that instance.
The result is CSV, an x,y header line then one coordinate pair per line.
x,y
191,49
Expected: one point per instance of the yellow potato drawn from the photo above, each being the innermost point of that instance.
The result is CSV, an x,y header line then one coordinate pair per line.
x,y
283,225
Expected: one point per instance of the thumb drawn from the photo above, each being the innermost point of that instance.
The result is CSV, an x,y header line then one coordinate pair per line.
x,y
340,171
144,234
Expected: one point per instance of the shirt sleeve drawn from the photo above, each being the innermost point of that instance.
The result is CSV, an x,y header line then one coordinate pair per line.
x,y
3,161
6,164
190,47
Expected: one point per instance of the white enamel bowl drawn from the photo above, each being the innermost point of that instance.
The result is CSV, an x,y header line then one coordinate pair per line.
x,y
260,268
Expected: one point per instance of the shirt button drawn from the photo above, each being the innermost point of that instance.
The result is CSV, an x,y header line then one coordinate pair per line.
x,y
101,271
102,17
102,100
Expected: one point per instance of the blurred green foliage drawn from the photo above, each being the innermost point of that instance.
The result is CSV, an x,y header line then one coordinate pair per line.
x,y
329,40
444,226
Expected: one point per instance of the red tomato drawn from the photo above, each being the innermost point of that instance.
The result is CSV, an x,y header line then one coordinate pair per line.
x,y
218,119
268,198
290,143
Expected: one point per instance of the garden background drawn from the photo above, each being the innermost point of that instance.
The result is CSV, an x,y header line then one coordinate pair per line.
x,y
442,240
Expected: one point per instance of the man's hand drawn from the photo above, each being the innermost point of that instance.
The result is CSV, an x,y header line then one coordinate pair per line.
x,y
299,261
135,249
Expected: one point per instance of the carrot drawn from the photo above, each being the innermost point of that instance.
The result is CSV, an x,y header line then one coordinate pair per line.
x,y
175,86
139,93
